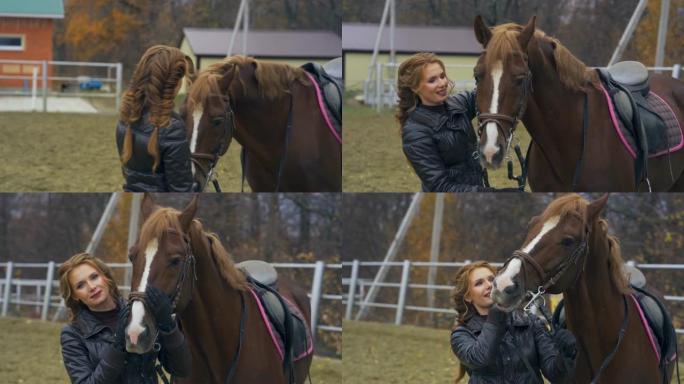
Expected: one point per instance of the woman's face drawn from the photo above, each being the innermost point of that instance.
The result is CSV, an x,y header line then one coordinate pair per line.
x,y
434,85
480,289
90,287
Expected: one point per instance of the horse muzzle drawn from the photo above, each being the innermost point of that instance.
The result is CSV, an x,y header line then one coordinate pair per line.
x,y
508,298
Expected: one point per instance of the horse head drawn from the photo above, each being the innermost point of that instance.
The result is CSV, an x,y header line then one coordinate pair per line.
x,y
162,258
553,254
503,79
209,118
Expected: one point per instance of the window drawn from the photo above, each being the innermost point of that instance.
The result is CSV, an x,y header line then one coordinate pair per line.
x,y
11,42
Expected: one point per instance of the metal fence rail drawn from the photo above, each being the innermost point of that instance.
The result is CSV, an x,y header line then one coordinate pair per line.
x,y
356,286
45,291
108,75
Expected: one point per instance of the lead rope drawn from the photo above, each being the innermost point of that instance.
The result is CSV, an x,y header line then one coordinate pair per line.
x,y
621,335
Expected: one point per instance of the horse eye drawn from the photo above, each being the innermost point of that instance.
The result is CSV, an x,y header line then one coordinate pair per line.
x,y
131,256
175,261
568,241
217,122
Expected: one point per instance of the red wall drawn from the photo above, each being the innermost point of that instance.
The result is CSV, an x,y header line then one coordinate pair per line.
x,y
37,46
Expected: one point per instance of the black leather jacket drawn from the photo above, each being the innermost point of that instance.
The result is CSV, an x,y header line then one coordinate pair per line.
x,y
440,144
173,173
89,357
490,349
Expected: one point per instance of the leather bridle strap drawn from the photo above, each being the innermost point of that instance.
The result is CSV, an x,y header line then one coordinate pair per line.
x,y
621,336
585,126
236,358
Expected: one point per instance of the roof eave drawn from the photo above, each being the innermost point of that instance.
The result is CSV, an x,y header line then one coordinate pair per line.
x,y
32,16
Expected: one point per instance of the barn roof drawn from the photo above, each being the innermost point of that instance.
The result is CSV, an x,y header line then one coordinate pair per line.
x,y
49,9
305,44
409,39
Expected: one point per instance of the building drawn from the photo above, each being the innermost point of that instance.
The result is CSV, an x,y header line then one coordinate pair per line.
x,y
456,46
207,46
26,29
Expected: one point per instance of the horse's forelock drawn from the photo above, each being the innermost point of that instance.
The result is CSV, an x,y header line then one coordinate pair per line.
x,y
159,221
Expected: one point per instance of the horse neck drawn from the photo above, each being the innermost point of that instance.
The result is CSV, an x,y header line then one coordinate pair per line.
x,y
560,139
260,123
594,306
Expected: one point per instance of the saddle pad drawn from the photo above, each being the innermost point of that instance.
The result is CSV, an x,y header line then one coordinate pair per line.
x,y
335,130
302,345
674,135
647,328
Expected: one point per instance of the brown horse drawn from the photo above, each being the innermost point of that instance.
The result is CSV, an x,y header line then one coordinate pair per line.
x,y
211,297
567,249
524,74
272,110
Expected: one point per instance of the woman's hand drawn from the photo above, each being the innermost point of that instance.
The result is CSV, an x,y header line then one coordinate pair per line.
x,y
566,343
120,333
160,306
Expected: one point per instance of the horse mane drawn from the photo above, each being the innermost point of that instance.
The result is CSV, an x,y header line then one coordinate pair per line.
x,y
164,218
274,80
574,204
571,71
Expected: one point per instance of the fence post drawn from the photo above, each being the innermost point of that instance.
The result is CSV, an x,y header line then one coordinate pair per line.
x,y
48,290
45,85
316,293
119,81
352,289
34,87
8,288
402,292
378,87
676,70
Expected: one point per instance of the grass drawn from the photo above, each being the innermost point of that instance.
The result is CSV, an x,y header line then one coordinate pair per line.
x,y
30,353
390,354
65,152
373,160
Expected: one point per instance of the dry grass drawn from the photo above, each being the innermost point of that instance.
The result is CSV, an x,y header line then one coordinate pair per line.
x,y
30,353
74,153
374,162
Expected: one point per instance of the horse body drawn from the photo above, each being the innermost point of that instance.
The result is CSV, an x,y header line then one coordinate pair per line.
x,y
552,109
568,250
208,293
286,142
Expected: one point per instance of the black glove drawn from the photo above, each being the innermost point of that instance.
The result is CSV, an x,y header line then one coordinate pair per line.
x,y
160,306
566,343
120,332
497,316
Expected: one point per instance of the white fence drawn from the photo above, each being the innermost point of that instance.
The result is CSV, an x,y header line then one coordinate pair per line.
x,y
380,89
45,292
93,80
358,287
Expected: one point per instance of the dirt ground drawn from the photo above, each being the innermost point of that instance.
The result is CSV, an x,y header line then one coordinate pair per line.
x,y
30,353
65,152
373,160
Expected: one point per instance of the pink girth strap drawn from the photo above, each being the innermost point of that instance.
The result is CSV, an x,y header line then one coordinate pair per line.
x,y
321,107
647,328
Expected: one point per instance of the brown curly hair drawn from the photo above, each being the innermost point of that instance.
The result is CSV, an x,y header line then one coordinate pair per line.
x,y
74,261
464,310
409,77
153,87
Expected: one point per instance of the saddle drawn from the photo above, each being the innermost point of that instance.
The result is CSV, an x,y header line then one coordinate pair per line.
x,y
642,118
292,338
329,79
654,317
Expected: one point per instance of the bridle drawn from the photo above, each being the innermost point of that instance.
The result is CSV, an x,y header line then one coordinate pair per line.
x,y
548,280
497,118
227,132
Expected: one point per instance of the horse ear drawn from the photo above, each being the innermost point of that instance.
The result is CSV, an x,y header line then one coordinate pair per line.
x,y
147,207
527,32
482,32
188,214
595,207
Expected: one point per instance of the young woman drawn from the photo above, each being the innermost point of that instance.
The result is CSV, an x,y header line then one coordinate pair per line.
x,y
151,137
437,133
498,347
93,343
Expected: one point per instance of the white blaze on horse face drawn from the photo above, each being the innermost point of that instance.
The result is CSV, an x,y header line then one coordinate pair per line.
x,y
138,309
490,149
505,278
196,117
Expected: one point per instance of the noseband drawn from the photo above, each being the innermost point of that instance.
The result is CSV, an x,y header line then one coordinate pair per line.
x,y
228,127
